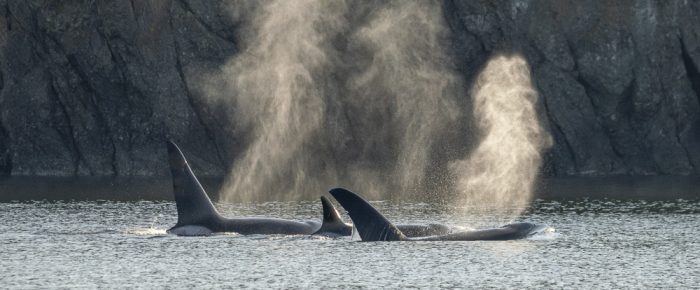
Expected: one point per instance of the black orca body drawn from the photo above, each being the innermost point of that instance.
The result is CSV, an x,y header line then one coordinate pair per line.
x,y
333,225
373,226
196,215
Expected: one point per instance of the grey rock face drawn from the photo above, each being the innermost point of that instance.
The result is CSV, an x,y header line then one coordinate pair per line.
x,y
96,87
619,80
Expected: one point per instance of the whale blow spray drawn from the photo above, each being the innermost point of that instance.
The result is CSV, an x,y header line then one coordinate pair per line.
x,y
278,98
502,170
367,95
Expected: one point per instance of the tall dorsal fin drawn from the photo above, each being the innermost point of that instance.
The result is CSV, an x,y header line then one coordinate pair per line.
x,y
370,224
193,205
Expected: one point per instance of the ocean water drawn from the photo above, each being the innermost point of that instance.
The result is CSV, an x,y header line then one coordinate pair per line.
x,y
594,242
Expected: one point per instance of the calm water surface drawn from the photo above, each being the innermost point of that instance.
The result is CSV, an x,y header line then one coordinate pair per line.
x,y
597,243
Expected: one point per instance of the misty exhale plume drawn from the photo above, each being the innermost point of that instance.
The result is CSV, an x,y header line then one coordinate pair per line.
x,y
501,171
363,95
278,100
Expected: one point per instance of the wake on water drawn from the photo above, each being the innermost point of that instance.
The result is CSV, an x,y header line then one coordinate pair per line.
x,y
146,232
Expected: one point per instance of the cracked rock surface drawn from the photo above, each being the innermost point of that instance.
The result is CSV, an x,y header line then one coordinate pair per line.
x,y
96,87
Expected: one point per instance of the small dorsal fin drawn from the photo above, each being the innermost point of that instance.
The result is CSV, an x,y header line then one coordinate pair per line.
x,y
193,204
370,224
330,214
333,224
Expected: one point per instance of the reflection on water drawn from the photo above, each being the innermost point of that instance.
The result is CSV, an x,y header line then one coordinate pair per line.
x,y
92,188
617,241
160,188
622,187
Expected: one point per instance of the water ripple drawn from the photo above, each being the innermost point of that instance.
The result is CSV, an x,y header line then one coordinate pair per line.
x,y
589,244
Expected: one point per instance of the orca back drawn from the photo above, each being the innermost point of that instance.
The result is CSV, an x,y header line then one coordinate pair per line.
x,y
514,231
193,205
370,224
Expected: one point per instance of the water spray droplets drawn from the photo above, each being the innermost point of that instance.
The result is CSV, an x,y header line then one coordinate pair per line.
x,y
377,114
502,170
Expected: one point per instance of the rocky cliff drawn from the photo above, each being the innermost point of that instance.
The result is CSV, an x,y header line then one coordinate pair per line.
x,y
95,87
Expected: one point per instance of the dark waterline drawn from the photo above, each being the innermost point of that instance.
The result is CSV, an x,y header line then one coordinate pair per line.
x,y
160,188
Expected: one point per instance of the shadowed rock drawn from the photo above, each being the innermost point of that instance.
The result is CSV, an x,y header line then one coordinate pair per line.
x,y
94,88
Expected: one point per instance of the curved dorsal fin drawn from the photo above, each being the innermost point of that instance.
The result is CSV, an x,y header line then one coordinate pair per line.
x,y
330,214
193,205
370,224
333,224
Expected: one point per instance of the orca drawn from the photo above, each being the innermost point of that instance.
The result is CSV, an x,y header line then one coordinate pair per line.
x,y
197,216
333,225
373,226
